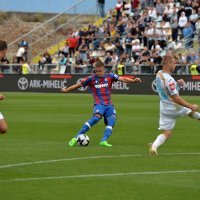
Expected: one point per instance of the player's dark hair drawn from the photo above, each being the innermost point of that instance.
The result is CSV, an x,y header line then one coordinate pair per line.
x,y
98,64
3,45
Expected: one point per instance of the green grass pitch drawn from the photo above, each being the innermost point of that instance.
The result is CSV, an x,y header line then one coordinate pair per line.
x,y
36,163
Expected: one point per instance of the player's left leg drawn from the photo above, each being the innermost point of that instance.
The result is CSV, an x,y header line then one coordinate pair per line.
x,y
110,119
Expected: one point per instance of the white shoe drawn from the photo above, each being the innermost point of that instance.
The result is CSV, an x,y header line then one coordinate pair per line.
x,y
152,150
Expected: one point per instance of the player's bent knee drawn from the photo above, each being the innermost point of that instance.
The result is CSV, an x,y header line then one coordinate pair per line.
x,y
98,116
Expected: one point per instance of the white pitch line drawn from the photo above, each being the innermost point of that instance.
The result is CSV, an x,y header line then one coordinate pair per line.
x,y
98,175
91,157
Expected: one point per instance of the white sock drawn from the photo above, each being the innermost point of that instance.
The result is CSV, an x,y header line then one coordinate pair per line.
x,y
159,141
195,115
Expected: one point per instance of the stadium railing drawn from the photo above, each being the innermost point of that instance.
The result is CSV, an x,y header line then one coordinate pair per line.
x,y
145,69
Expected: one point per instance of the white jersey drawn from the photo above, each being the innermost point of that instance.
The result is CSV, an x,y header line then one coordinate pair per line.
x,y
169,110
167,87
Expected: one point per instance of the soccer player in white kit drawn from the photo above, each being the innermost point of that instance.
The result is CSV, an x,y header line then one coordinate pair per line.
x,y
3,124
172,106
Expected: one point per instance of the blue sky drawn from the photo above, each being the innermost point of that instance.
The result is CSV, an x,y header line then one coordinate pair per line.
x,y
49,6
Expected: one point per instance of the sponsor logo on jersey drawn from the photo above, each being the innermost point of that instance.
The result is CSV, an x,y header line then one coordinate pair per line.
x,y
172,86
101,86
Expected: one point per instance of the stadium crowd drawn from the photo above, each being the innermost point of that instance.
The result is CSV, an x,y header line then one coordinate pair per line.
x,y
132,39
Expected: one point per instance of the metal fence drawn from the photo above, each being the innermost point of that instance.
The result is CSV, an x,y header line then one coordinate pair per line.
x,y
181,69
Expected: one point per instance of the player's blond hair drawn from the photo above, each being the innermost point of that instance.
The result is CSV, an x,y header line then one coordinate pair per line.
x,y
167,59
98,64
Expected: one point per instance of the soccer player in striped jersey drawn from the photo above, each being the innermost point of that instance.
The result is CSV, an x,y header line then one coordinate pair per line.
x,y
100,85
172,105
3,124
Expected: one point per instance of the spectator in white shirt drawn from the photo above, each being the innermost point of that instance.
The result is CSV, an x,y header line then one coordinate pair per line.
x,y
182,21
152,13
20,54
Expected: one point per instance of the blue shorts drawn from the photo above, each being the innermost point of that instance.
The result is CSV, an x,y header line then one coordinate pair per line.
x,y
104,110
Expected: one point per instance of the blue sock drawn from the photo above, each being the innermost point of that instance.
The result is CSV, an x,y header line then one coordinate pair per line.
x,y
108,132
88,125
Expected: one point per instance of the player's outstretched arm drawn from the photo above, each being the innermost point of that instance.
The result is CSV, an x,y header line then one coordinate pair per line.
x,y
179,100
129,80
71,88
2,97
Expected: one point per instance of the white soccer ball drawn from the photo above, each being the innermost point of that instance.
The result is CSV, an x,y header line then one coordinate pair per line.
x,y
83,140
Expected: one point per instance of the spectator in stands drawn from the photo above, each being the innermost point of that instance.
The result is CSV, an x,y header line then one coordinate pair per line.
x,y
136,49
79,65
193,19
24,44
156,47
182,21
119,8
62,65
159,8
5,69
20,54
163,38
98,36
174,27
63,60
119,48
188,34
110,47
135,5
127,7
188,8
64,50
152,35
16,67
167,14
194,69
120,68
152,13
73,42
128,44
44,60
83,48
25,67
101,4
145,64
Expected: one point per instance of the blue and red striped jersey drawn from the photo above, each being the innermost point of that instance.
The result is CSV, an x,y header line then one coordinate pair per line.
x,y
100,87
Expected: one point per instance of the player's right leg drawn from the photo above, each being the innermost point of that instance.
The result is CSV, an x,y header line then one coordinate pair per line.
x,y
158,142
85,128
166,124
3,125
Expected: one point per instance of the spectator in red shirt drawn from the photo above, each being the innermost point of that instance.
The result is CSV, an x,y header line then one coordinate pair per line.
x,y
73,41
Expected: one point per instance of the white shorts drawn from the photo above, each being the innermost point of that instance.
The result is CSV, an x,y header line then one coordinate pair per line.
x,y
1,116
168,120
